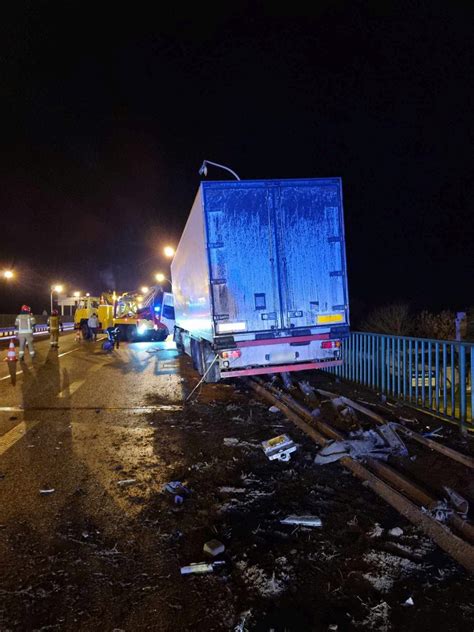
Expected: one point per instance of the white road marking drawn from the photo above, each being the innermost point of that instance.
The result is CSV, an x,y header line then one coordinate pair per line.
x,y
7,377
72,388
15,434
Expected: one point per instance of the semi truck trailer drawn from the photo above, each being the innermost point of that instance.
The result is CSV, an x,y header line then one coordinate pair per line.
x,y
259,278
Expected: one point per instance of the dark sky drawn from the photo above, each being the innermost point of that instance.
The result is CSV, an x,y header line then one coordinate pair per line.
x,y
108,113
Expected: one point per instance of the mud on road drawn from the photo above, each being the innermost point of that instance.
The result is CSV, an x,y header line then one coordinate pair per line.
x,y
116,565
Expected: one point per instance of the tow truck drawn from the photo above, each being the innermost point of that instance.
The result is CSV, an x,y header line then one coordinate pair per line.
x,y
139,316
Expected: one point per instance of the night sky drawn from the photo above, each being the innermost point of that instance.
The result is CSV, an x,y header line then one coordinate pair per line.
x,y
107,115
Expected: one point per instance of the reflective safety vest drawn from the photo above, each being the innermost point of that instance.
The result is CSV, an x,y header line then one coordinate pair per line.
x,y
53,322
25,323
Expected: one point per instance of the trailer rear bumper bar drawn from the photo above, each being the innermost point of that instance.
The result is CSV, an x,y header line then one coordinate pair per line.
x,y
282,368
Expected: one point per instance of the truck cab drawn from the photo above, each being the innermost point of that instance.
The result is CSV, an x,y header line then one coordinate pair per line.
x,y
145,317
89,305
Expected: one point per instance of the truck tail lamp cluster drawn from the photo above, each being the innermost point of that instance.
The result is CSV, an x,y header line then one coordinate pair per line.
x,y
331,344
230,355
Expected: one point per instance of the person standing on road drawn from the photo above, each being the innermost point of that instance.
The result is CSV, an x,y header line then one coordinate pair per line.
x,y
93,324
53,326
25,323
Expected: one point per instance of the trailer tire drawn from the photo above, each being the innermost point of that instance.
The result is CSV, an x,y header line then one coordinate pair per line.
x,y
178,341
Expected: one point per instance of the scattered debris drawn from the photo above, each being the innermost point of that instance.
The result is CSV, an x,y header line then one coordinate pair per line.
x,y
213,547
126,481
230,441
274,409
433,433
378,619
240,627
376,531
379,443
304,521
458,502
396,532
201,568
440,511
178,490
408,602
279,448
47,491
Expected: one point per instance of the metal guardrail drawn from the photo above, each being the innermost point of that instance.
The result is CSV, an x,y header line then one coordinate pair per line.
x,y
10,332
435,375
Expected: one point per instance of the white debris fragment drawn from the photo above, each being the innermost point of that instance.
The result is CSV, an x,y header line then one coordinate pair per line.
x,y
274,409
47,491
126,481
396,532
408,602
230,441
376,531
303,521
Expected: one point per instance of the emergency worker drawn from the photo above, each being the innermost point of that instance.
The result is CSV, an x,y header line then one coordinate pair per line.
x,y
53,326
25,323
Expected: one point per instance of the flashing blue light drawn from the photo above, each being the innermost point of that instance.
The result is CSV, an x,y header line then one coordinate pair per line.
x,y
157,308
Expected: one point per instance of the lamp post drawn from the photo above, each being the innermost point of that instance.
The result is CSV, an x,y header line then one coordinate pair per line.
x,y
203,169
169,251
57,289
8,274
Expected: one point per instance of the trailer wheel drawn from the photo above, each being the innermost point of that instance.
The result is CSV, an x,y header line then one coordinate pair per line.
x,y
85,331
178,341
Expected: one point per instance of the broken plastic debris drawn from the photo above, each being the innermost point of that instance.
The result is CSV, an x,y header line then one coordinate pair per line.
x,y
408,602
274,409
279,448
396,532
458,502
376,531
230,441
176,488
47,491
379,444
201,567
440,511
303,521
126,481
213,547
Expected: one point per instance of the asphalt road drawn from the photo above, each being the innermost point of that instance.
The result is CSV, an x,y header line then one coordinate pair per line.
x,y
76,421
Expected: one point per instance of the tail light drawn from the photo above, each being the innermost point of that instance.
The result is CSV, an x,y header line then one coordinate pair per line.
x,y
230,355
327,344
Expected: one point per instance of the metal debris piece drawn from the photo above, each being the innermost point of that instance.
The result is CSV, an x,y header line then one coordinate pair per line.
x,y
458,502
378,443
201,568
126,481
303,521
213,547
47,491
279,448
376,531
440,511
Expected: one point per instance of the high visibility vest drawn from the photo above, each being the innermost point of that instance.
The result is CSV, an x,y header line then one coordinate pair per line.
x,y
25,323
53,322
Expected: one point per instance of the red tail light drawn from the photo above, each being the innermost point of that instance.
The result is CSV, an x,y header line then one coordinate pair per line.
x,y
327,344
231,355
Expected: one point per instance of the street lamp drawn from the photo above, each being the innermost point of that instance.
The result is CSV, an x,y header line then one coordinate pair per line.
x,y
145,289
57,289
160,277
203,169
169,251
8,274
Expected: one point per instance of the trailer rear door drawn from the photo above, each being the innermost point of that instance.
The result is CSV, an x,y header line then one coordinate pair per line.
x,y
242,257
310,241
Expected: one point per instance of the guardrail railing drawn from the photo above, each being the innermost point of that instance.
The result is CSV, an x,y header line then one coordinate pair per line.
x,y
10,332
434,375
